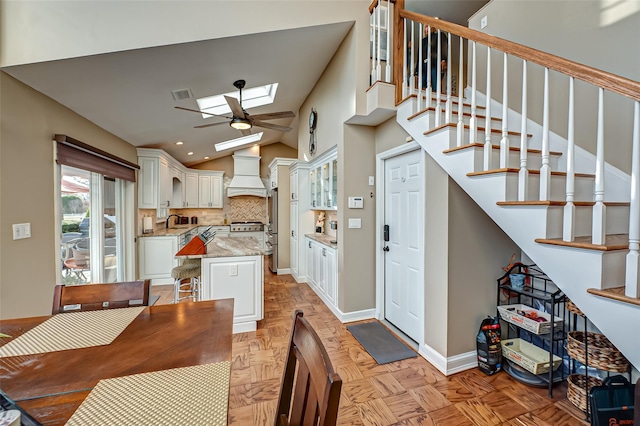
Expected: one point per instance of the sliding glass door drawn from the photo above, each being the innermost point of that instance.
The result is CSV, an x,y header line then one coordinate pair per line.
x,y
93,208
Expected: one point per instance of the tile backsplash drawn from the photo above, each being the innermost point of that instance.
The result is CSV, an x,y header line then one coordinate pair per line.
x,y
247,209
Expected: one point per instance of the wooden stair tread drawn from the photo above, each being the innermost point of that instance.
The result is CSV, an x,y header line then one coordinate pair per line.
x,y
560,203
454,100
511,148
611,242
533,172
616,293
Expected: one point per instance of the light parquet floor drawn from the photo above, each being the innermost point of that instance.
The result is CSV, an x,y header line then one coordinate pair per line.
x,y
408,392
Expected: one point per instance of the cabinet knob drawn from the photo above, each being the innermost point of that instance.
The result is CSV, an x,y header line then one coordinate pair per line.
x,y
292,234
324,252
309,244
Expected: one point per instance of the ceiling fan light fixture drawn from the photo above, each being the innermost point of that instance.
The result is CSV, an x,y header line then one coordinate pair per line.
x,y
240,123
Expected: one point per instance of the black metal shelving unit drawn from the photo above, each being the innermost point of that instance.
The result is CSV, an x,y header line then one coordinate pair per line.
x,y
541,289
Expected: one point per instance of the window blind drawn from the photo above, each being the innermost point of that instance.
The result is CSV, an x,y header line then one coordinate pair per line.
x,y
72,152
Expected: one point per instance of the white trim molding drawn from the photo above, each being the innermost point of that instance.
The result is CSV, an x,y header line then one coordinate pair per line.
x,y
450,365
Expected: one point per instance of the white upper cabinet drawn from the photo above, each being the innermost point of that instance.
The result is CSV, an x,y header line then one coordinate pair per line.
x,y
190,189
210,189
273,170
323,181
164,183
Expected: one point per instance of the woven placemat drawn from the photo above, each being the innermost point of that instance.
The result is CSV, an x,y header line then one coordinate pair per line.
x,y
72,330
197,395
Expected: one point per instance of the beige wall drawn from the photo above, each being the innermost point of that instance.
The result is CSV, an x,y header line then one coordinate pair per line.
x,y
477,250
594,33
336,97
389,135
356,247
27,192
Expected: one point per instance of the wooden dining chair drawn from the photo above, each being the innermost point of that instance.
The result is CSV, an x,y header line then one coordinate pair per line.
x,y
92,297
316,396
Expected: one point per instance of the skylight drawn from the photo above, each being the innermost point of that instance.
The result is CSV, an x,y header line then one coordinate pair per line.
x,y
238,142
251,97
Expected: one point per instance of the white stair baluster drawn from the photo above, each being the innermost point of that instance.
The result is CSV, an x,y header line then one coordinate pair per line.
x,y
473,123
523,174
487,130
412,79
420,70
504,142
448,103
407,68
389,58
372,30
599,209
632,276
438,82
378,38
428,70
545,169
568,227
460,97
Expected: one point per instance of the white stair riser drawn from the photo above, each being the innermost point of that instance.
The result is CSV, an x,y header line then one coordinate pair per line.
x,y
617,220
534,160
583,188
514,140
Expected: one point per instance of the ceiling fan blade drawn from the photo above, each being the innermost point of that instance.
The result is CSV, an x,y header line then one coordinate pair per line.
x,y
201,112
235,106
273,115
271,126
202,126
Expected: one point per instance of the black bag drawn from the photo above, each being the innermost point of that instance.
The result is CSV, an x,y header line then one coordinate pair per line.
x,y
488,346
612,402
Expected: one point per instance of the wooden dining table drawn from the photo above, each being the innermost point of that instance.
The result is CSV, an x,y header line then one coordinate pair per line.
x,y
51,386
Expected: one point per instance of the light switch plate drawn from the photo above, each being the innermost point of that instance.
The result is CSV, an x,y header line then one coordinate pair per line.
x,y
21,230
355,223
371,181
483,22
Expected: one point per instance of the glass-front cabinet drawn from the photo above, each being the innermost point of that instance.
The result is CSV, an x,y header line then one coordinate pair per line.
x,y
323,178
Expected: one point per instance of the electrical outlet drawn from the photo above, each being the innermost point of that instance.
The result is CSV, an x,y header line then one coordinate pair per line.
x,y
483,22
233,270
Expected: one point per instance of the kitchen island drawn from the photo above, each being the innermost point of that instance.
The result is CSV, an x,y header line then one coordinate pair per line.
x,y
232,267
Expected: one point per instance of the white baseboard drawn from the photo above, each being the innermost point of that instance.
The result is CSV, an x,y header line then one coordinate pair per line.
x,y
451,365
345,317
243,327
162,281
283,271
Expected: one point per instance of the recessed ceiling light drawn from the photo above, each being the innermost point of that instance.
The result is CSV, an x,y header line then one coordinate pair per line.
x,y
189,153
179,143
251,98
206,158
239,141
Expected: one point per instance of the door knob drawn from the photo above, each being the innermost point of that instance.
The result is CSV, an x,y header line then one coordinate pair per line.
x,y
385,248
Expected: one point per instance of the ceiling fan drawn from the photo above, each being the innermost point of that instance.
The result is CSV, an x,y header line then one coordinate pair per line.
x,y
241,119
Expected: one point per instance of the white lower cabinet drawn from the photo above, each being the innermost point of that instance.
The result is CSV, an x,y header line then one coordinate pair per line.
x,y
240,278
322,271
157,258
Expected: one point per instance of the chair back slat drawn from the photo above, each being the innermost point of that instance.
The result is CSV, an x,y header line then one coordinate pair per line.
x,y
316,396
92,296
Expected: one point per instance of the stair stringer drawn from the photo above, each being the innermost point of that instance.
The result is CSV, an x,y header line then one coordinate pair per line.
x,y
572,270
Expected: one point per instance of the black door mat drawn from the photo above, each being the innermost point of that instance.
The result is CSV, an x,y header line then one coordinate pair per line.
x,y
381,344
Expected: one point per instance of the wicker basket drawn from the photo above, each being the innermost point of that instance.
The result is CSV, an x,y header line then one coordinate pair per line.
x,y
576,392
601,353
571,307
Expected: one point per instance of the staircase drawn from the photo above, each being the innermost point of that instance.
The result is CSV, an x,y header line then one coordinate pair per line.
x,y
582,270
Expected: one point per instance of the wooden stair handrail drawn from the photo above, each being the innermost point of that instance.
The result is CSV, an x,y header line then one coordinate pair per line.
x,y
611,82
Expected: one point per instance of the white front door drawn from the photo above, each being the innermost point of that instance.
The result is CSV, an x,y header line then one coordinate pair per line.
x,y
404,251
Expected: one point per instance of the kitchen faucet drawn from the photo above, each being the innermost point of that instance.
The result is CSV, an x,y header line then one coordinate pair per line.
x,y
166,225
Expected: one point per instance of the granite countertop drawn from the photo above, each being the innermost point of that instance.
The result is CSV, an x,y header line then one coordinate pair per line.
x,y
323,239
175,230
229,247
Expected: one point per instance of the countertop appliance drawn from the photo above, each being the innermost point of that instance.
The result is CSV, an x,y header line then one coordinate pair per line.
x,y
272,238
